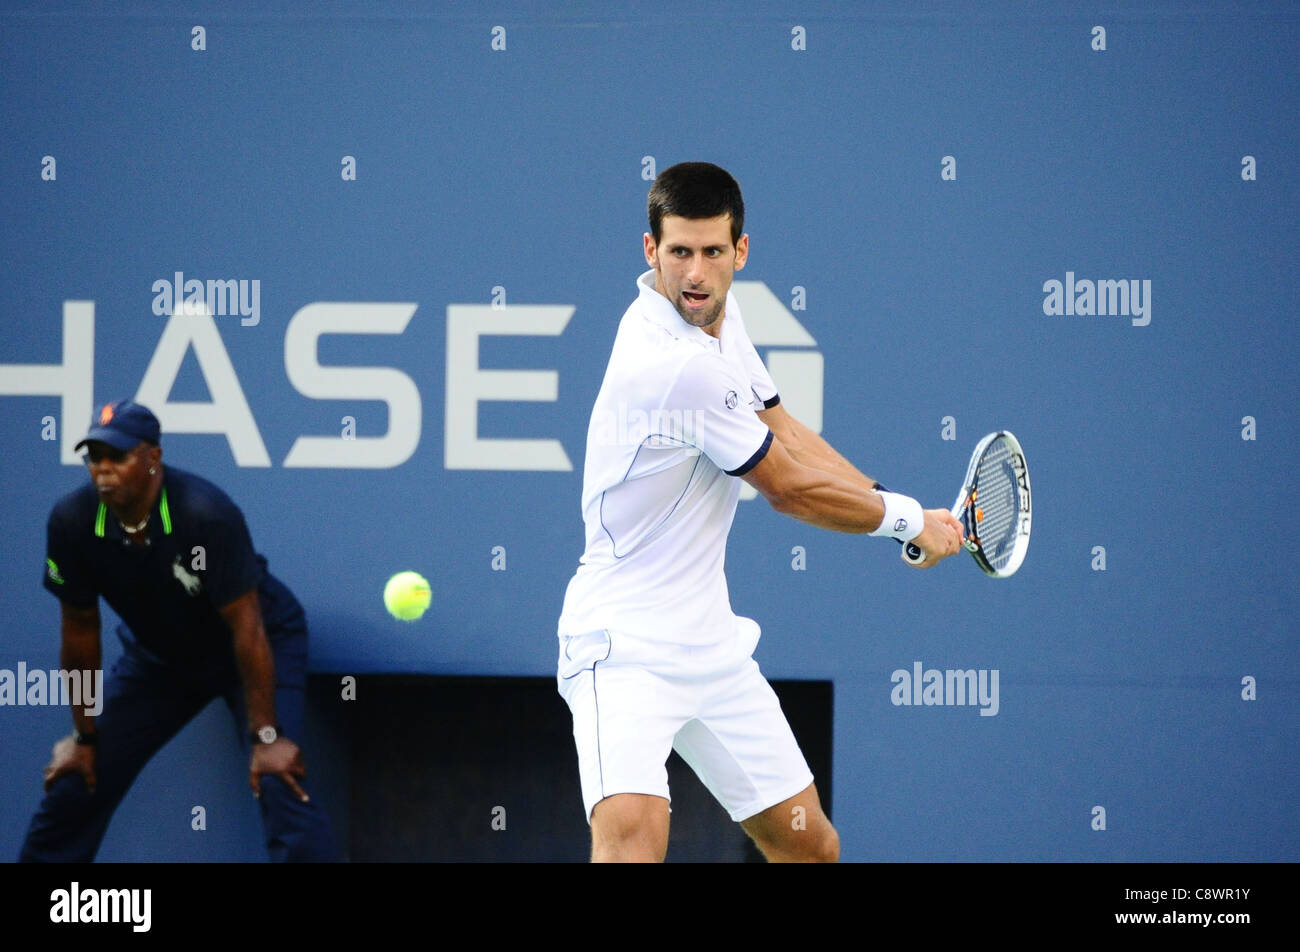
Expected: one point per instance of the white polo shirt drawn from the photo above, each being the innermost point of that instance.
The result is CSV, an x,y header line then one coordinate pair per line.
x,y
673,427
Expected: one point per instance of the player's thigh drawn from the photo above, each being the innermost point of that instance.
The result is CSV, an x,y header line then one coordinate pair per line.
x,y
741,746
624,719
145,705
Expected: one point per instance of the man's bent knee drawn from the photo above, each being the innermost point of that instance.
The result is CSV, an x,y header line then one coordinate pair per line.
x,y
827,847
629,828
795,831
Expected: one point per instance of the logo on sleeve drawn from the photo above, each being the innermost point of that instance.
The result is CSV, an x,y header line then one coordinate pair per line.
x,y
191,581
731,399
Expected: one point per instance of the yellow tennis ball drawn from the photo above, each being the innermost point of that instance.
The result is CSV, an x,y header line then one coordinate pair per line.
x,y
407,596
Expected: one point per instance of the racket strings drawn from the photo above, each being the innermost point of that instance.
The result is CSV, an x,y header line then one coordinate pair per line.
x,y
998,501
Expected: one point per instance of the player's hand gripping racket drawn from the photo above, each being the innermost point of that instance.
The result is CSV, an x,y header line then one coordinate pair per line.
x,y
994,507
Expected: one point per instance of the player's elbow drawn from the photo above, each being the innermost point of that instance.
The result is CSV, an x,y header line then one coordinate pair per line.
x,y
781,481
782,493
788,502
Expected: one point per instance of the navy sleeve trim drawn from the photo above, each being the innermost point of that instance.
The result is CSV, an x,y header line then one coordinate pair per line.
x,y
769,404
753,460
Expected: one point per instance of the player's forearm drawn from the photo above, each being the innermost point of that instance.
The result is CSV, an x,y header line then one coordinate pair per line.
x,y
253,659
831,501
257,674
80,650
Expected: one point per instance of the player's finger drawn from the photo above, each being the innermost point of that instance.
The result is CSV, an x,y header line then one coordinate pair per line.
x,y
957,525
287,777
255,782
53,773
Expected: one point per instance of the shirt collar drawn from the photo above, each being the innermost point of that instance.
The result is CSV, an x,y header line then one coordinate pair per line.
x,y
107,524
659,310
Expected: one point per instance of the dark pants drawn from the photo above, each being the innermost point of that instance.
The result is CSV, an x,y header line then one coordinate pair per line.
x,y
146,703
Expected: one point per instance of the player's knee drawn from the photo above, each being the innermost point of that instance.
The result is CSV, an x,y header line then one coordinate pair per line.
x,y
827,847
629,829
628,841
819,844
636,846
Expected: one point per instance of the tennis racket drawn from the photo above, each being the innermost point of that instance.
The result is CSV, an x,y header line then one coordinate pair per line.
x,y
994,507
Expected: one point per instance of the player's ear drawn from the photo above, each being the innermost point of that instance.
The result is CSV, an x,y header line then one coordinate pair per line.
x,y
651,251
742,252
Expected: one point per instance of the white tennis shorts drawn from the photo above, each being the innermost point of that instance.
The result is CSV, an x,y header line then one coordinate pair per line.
x,y
634,700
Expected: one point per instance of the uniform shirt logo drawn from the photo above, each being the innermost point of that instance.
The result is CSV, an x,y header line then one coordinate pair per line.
x,y
731,400
191,581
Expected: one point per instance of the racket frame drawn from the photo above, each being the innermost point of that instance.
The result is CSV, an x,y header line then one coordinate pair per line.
x,y
964,509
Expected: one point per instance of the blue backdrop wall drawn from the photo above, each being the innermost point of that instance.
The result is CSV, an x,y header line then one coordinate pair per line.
x,y
452,198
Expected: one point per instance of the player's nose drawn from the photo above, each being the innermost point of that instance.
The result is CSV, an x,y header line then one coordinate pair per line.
x,y
696,272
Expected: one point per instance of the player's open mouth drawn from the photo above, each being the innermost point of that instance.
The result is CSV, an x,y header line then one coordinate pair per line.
x,y
695,297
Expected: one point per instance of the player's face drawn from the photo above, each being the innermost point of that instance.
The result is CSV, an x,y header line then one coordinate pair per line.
x,y
121,477
694,261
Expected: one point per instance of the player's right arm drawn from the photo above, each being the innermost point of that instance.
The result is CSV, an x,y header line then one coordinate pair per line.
x,y
833,501
80,651
67,577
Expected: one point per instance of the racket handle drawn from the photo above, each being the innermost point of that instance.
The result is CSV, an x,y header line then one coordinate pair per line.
x,y
911,553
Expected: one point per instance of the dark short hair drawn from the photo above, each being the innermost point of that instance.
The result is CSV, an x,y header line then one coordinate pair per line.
x,y
696,190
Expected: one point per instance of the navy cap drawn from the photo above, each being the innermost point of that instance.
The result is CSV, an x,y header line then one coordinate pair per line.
x,y
122,425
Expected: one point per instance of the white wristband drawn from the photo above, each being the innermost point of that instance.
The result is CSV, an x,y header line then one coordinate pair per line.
x,y
904,517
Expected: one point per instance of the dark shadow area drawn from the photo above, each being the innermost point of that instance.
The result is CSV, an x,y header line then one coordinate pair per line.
x,y
466,769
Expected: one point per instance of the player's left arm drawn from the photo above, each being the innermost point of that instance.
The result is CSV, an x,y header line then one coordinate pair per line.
x,y
256,666
809,448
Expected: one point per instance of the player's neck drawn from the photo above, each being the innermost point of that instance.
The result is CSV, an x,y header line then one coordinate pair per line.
x,y
135,515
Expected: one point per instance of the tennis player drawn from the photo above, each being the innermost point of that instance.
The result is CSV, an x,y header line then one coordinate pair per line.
x,y
652,658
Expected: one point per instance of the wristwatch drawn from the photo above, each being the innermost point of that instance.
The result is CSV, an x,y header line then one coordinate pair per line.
x,y
85,740
265,735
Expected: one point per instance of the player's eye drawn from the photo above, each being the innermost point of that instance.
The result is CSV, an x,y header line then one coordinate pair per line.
x,y
96,455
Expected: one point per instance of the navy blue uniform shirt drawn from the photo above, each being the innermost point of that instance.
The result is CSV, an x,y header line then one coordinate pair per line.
x,y
168,593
